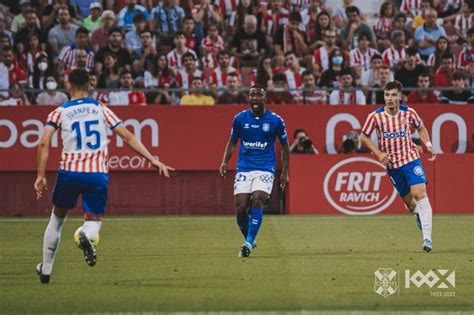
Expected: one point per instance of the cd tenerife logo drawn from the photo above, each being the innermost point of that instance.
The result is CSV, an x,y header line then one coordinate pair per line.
x,y
255,145
356,186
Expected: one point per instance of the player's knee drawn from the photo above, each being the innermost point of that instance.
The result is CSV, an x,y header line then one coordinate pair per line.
x,y
60,212
419,194
258,202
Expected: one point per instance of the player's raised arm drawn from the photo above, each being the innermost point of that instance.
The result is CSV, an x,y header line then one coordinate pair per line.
x,y
229,151
42,159
138,147
285,161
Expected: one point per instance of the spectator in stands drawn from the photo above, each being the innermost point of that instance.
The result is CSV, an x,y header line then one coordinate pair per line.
x,y
232,95
205,14
210,45
143,59
420,18
50,13
377,97
239,15
412,8
4,32
427,34
290,37
384,25
115,46
346,95
340,14
310,94
100,96
67,56
443,75
126,15
359,58
175,56
31,52
218,77
466,56
192,39
196,97
459,96
321,56
395,55
185,76
100,37
465,20
10,73
423,95
302,144
20,19
166,19
249,43
330,77
133,42
400,23
94,20
14,97
31,26
162,77
127,96
355,28
63,34
41,70
51,96
275,17
371,77
409,72
293,72
82,7
264,72
316,33
279,93
109,78
442,46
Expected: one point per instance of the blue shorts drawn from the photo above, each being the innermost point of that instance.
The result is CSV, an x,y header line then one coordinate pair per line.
x,y
406,176
92,187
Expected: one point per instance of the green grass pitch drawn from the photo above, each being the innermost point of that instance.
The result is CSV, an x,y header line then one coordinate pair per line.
x,y
173,264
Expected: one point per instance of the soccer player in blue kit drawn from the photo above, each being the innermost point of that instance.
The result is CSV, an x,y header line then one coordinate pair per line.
x,y
83,169
257,128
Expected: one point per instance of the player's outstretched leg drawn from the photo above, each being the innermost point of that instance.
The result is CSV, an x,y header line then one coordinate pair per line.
x,y
52,238
426,214
90,230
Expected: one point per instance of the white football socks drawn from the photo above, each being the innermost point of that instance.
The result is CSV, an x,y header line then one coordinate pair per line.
x,y
52,237
426,217
91,228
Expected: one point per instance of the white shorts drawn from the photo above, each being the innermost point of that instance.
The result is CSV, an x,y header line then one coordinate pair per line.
x,y
248,182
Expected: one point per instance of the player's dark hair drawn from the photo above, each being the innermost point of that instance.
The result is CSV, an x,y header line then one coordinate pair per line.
x,y
79,79
258,86
393,85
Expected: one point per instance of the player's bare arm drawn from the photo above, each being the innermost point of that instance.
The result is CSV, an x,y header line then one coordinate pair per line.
x,y
42,159
229,151
138,147
425,137
383,157
285,159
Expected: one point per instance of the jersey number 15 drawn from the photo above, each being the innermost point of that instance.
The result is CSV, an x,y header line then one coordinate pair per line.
x,y
91,143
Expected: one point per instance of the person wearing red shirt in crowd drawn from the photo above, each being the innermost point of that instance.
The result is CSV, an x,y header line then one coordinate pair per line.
x,y
443,75
206,14
232,95
210,45
31,52
274,18
127,96
293,72
10,73
162,77
279,94
321,55
310,94
192,41
175,56
218,77
466,56
186,75
423,96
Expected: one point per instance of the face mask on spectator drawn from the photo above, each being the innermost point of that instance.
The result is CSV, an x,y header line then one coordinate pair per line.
x,y
51,85
7,63
337,60
43,66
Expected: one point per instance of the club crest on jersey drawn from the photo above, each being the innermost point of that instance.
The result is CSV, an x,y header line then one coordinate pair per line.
x,y
246,126
418,170
266,127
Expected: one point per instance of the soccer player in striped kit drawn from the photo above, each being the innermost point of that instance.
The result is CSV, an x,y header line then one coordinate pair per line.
x,y
83,167
393,123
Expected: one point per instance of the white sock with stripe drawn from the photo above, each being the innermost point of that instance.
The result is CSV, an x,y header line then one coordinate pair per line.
x,y
426,217
52,237
91,228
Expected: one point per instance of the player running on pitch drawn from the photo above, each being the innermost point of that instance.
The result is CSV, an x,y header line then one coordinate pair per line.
x,y
257,128
83,167
393,123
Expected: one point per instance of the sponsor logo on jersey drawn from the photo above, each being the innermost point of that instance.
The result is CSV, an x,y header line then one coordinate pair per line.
x,y
255,145
393,135
359,186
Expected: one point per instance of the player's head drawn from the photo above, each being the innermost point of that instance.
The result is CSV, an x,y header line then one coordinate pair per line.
x,y
257,97
78,81
392,93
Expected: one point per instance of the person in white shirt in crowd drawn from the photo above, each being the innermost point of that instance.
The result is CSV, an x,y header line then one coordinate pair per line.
x,y
346,95
51,96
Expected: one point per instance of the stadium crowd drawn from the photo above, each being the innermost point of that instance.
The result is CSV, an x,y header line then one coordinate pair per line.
x,y
202,52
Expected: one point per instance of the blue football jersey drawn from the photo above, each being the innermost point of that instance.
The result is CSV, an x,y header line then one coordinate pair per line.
x,y
257,140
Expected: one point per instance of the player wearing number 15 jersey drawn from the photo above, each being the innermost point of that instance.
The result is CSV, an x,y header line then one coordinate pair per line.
x,y
83,167
393,123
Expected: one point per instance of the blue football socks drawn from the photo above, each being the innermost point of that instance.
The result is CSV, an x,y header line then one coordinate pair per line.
x,y
256,218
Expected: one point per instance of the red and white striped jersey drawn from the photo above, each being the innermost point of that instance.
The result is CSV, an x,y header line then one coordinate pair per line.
x,y
68,56
391,56
411,7
294,80
273,20
83,125
359,59
218,78
174,58
383,25
184,79
127,98
321,58
227,6
463,24
466,58
394,133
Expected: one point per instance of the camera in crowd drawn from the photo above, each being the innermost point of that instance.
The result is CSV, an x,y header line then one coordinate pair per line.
x,y
306,142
